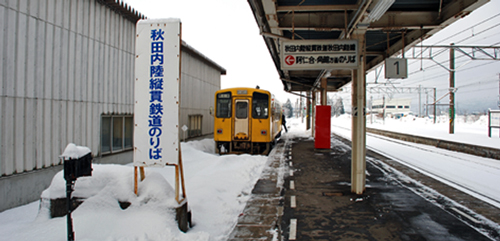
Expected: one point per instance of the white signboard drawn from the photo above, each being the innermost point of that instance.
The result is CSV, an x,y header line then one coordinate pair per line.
x,y
495,118
156,110
319,54
396,68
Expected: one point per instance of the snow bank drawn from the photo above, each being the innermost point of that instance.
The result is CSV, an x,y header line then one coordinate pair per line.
x,y
217,188
115,180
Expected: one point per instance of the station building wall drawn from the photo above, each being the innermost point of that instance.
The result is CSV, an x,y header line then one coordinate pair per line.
x,y
200,79
67,76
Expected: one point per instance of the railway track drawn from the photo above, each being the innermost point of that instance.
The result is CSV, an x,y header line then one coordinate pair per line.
x,y
433,173
473,206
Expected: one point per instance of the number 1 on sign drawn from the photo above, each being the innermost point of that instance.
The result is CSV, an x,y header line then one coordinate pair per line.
x,y
397,67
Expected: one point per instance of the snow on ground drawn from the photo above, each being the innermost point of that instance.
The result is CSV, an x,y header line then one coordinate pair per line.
x,y
468,129
217,188
462,171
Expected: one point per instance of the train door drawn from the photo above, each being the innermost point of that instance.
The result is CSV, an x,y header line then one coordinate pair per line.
x,y
241,107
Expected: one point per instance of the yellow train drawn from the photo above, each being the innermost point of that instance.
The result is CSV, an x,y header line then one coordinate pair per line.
x,y
247,120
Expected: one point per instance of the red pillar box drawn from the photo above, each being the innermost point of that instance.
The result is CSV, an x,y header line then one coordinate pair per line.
x,y
322,127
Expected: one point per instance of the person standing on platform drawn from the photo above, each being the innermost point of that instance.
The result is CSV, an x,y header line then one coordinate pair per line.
x,y
283,121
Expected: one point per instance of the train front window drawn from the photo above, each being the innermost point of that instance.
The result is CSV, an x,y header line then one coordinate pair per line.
x,y
223,108
260,106
241,110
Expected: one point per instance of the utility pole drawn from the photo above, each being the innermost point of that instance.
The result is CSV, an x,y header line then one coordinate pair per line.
x,y
426,104
383,110
435,99
473,52
296,114
371,109
419,101
452,89
301,110
308,110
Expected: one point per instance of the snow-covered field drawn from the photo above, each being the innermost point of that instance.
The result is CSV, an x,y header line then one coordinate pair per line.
x,y
218,187
468,129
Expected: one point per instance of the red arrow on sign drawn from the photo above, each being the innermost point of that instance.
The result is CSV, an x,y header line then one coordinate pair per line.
x,y
289,60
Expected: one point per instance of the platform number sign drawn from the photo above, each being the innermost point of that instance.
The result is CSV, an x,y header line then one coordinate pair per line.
x,y
396,68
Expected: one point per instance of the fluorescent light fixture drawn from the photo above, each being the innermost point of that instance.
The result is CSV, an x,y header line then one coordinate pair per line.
x,y
379,9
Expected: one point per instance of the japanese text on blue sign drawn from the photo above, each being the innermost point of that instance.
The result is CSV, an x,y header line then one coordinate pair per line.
x,y
320,48
156,94
318,54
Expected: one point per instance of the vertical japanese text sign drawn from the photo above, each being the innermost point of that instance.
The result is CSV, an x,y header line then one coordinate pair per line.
x,y
156,109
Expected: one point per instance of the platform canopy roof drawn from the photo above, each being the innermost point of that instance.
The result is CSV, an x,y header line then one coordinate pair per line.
x,y
390,26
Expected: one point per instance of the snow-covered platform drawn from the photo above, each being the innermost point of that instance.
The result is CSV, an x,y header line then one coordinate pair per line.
x,y
262,214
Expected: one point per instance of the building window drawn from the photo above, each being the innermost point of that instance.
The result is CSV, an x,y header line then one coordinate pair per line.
x,y
116,133
106,134
195,123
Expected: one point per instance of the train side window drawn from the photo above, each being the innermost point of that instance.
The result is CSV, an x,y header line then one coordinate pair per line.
x,y
260,106
223,107
241,110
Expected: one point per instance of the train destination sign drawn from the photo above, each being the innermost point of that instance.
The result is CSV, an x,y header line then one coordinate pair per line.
x,y
319,54
157,67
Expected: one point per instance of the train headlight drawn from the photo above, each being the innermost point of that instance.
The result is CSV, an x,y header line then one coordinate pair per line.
x,y
263,132
219,131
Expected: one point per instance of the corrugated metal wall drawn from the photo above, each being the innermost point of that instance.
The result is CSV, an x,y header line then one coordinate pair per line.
x,y
199,82
63,64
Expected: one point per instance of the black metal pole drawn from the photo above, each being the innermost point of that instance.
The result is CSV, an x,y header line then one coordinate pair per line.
x,y
489,123
69,189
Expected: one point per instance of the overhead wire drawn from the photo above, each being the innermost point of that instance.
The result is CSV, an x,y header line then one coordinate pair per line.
x,y
466,38
459,59
471,27
459,70
445,61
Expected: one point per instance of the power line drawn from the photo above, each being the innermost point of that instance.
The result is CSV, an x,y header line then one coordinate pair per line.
x,y
471,91
459,41
494,26
486,20
478,83
446,74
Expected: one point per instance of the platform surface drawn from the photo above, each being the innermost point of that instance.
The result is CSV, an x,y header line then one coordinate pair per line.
x,y
395,206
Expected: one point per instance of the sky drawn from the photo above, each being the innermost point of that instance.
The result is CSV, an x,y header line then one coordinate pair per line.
x,y
226,32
